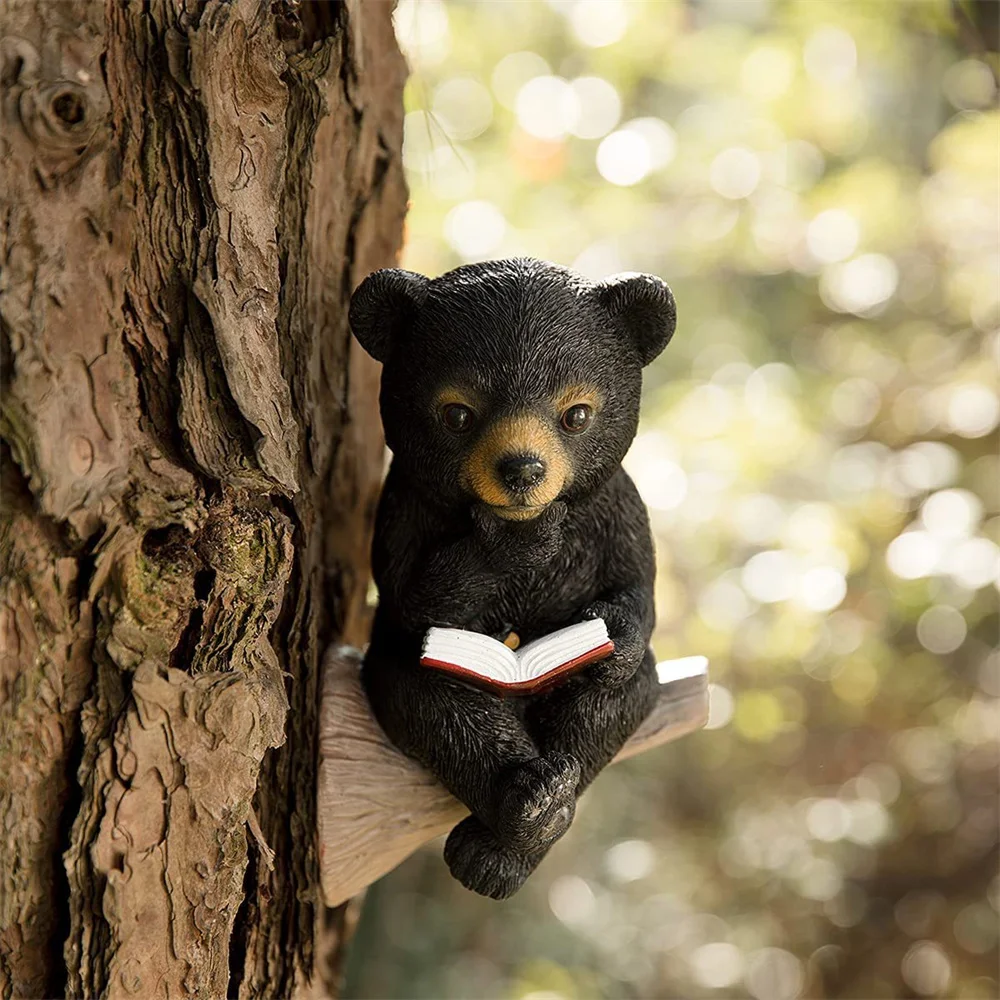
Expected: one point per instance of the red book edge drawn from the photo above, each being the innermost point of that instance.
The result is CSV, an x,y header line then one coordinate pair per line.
x,y
532,686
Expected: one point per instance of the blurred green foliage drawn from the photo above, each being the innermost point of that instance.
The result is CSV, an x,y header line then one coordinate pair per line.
x,y
818,181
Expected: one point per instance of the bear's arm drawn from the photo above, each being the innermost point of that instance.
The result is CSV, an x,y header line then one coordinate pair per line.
x,y
424,577
625,600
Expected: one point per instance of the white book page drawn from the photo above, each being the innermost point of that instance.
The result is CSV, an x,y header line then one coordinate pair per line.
x,y
553,650
473,651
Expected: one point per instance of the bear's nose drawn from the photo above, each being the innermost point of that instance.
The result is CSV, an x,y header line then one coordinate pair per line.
x,y
521,472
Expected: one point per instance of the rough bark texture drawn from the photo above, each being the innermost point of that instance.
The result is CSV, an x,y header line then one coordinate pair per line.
x,y
191,452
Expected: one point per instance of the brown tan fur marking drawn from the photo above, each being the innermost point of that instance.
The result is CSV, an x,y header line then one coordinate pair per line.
x,y
575,395
450,395
521,434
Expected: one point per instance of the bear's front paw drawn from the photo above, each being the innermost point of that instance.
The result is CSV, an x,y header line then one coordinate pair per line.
x,y
512,545
537,801
630,646
481,863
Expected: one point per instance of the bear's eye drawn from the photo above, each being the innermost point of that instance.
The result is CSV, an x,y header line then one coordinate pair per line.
x,y
577,418
457,418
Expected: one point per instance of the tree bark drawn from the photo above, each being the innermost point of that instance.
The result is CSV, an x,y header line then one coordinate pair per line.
x,y
191,454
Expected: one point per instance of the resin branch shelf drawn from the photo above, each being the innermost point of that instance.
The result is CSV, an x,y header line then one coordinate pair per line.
x,y
376,807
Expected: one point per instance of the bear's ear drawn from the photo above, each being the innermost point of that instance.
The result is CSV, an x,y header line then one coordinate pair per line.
x,y
383,306
644,306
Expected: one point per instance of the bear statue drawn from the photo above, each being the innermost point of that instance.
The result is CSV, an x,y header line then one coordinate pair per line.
x,y
510,394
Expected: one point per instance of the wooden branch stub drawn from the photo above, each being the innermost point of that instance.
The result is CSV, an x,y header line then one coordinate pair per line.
x,y
375,806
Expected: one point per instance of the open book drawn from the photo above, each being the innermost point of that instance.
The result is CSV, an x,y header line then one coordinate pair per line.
x,y
482,660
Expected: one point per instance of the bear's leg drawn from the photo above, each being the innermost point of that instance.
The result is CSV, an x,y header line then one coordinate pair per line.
x,y
578,721
592,723
477,745
536,806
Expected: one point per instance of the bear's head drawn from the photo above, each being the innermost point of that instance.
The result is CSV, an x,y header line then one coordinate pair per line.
x,y
511,383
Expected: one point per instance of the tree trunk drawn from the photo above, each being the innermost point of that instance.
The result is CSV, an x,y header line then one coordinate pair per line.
x,y
191,453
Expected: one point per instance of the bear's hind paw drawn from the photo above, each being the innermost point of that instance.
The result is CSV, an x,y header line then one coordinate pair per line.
x,y
481,863
537,802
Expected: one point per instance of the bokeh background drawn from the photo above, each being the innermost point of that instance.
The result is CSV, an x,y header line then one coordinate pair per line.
x,y
818,181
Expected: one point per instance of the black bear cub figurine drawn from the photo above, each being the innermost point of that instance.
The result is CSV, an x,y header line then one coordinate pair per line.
x,y
510,394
